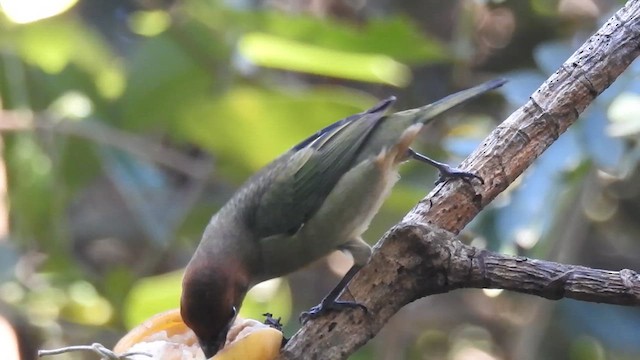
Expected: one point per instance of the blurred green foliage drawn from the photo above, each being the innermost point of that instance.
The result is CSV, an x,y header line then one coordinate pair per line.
x,y
139,119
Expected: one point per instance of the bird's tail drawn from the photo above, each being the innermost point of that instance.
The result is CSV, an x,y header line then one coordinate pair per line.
x,y
428,112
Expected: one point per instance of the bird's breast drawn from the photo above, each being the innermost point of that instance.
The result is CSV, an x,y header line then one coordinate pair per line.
x,y
344,215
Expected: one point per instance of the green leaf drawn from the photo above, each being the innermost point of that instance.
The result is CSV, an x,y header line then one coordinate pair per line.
x,y
249,127
85,306
397,37
26,11
152,295
115,286
276,52
624,113
54,43
373,52
586,348
162,80
79,163
149,23
30,187
272,296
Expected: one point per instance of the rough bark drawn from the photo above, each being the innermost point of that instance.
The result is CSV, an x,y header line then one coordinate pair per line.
x,y
414,260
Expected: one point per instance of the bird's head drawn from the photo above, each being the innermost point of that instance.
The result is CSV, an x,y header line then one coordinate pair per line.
x,y
211,296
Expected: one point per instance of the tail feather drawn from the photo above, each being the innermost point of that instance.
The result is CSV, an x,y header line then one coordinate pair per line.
x,y
428,112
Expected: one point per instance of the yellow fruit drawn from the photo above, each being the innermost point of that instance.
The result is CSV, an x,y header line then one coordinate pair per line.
x,y
254,341
166,337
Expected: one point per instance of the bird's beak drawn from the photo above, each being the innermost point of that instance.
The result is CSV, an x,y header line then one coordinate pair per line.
x,y
210,348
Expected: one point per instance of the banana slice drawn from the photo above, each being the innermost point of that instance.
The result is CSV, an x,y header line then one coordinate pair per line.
x,y
250,339
166,337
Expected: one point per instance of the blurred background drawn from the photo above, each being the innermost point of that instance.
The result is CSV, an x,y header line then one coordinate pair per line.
x,y
126,124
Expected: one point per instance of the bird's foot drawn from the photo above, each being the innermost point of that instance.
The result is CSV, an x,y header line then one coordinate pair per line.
x,y
272,322
449,172
324,307
275,324
446,171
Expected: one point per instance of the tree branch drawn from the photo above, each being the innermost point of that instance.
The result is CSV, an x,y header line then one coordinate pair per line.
x,y
13,121
411,261
549,279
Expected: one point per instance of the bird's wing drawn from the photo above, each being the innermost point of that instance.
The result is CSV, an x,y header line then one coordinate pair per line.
x,y
311,172
379,109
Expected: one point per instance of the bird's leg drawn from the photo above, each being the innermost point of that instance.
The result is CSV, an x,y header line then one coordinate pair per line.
x,y
446,171
330,301
360,252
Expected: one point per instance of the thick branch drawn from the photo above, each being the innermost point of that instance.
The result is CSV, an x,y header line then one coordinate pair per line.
x,y
552,280
433,261
396,275
513,146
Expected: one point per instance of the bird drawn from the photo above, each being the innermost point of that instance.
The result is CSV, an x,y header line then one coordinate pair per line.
x,y
317,197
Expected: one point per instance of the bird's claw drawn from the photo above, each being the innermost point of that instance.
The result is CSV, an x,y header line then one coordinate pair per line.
x,y
322,308
272,322
448,172
275,324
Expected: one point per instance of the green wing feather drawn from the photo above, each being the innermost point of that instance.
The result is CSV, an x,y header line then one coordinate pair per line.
x,y
308,173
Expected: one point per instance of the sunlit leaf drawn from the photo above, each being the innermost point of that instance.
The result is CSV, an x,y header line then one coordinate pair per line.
x,y
624,114
26,11
162,79
152,295
149,23
115,286
395,36
54,43
30,187
249,127
86,306
72,105
273,296
271,51
111,81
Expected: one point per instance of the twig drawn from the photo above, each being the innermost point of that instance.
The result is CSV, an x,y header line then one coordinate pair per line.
x,y
97,348
11,121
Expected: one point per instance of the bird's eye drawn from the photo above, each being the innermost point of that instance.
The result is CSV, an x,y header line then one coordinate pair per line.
x,y
234,312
